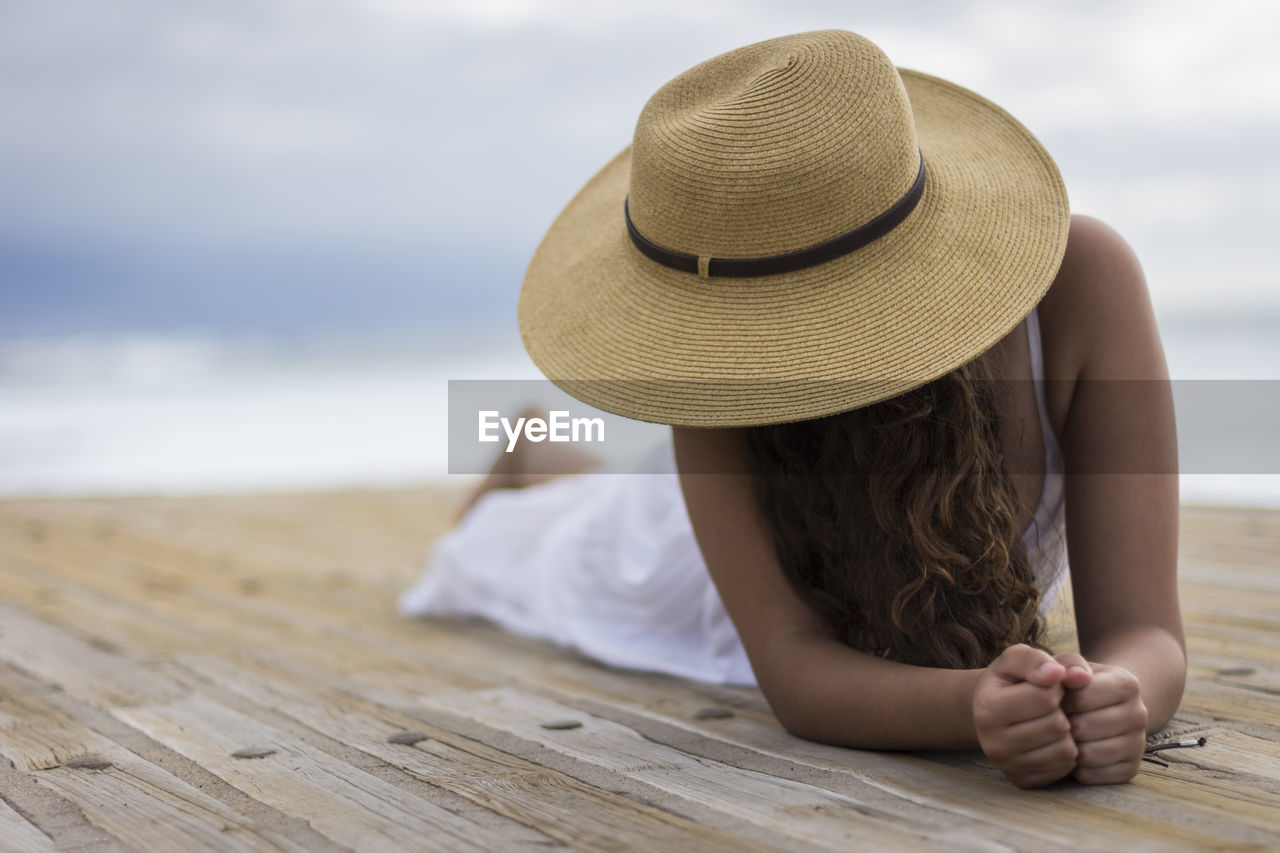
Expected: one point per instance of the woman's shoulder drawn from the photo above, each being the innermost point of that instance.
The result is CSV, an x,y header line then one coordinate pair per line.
x,y
1096,320
1099,292
1097,255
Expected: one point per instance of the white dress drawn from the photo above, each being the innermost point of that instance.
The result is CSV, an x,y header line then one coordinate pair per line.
x,y
607,564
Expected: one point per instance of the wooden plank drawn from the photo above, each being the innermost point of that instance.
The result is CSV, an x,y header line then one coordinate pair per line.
x,y
129,798
74,664
956,788
469,662
920,788
558,805
269,585
117,623
809,813
55,817
238,535
18,835
632,686
198,618
105,620
308,706
343,802
1233,703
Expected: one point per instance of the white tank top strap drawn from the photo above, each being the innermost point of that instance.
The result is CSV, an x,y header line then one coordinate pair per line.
x,y
1036,347
1046,535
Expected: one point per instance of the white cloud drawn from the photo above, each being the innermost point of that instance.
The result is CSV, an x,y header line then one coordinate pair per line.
x,y
379,121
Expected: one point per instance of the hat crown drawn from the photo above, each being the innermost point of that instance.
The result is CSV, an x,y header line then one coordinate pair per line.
x,y
773,148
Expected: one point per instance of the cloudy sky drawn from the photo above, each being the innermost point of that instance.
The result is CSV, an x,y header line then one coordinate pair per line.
x,y
358,165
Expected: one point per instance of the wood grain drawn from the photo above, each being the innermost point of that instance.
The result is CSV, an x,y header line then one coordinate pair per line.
x,y
146,642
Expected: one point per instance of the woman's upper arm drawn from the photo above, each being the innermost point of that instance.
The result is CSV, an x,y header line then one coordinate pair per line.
x,y
1119,442
818,687
737,545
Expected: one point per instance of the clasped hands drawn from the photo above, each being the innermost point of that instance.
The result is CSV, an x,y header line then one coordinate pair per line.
x,y
1041,717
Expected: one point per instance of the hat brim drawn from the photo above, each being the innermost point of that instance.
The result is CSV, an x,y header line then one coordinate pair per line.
x,y
635,338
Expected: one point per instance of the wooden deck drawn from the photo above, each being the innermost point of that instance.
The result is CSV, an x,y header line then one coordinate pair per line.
x,y
229,674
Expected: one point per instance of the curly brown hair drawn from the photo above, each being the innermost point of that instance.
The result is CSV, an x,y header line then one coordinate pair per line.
x,y
897,523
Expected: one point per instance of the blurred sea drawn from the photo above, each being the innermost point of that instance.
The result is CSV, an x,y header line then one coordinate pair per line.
x,y
187,413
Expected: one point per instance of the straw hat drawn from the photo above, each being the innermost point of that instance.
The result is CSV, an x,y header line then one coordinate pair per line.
x,y
798,229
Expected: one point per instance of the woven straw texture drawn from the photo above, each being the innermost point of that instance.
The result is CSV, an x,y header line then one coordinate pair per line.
x,y
772,148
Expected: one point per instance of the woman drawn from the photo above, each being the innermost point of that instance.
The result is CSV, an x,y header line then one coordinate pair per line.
x,y
813,266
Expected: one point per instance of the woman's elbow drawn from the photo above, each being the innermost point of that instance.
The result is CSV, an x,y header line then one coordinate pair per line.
x,y
793,711
806,728
802,716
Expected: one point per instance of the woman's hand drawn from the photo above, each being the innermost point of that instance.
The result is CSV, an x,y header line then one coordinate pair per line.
x,y
1019,719
1108,723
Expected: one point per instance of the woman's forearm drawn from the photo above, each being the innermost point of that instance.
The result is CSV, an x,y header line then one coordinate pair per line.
x,y
1155,657
825,691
